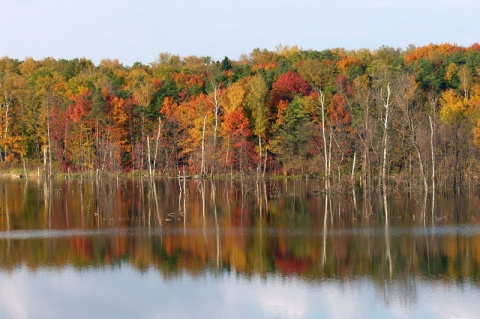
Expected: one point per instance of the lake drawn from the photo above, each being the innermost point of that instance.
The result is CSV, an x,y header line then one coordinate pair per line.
x,y
127,248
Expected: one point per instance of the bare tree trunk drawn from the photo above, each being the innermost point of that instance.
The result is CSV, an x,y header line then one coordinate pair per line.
x,y
265,162
321,98
49,150
422,171
7,108
386,105
325,218
202,167
432,145
352,178
24,166
226,156
149,158
156,144
330,158
419,155
45,161
259,165
216,112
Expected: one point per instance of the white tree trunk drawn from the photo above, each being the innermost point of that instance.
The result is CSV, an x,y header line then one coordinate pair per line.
x,y
259,165
386,105
7,108
353,167
149,158
202,167
156,144
216,113
321,98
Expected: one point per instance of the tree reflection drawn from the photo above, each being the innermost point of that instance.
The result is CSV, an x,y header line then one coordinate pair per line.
x,y
271,226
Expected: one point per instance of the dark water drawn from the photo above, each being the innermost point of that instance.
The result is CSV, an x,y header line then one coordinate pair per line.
x,y
130,249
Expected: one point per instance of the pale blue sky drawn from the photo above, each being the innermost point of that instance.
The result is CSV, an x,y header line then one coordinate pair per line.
x,y
138,30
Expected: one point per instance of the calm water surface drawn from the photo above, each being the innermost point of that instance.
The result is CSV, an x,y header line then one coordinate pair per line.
x,y
280,249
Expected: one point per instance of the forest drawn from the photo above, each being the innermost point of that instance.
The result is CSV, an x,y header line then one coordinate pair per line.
x,y
397,118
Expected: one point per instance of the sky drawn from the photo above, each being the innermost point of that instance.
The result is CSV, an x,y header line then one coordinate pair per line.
x,y
139,30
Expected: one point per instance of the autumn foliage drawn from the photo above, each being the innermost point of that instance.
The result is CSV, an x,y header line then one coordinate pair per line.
x,y
247,115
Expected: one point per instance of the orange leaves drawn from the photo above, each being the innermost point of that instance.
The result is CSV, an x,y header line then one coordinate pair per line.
x,y
80,106
118,107
347,62
186,121
475,47
281,110
447,48
237,122
187,80
429,50
169,107
237,125
105,92
337,111
118,111
265,66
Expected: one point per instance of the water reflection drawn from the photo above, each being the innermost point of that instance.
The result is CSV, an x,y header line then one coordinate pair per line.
x,y
276,227
73,294
279,238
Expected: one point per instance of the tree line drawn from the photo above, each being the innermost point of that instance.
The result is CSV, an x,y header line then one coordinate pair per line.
x,y
373,118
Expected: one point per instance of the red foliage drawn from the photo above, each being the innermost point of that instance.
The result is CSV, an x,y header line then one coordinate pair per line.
x,y
475,47
80,106
289,264
344,85
337,111
238,126
288,85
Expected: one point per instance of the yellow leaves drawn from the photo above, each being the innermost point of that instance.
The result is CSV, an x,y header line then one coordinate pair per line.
x,y
310,103
452,106
361,84
474,102
144,93
74,86
15,145
109,64
234,97
311,70
452,70
410,87
347,62
455,107
28,66
476,134
287,51
447,48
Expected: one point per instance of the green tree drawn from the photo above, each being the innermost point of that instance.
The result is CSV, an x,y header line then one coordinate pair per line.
x,y
291,142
